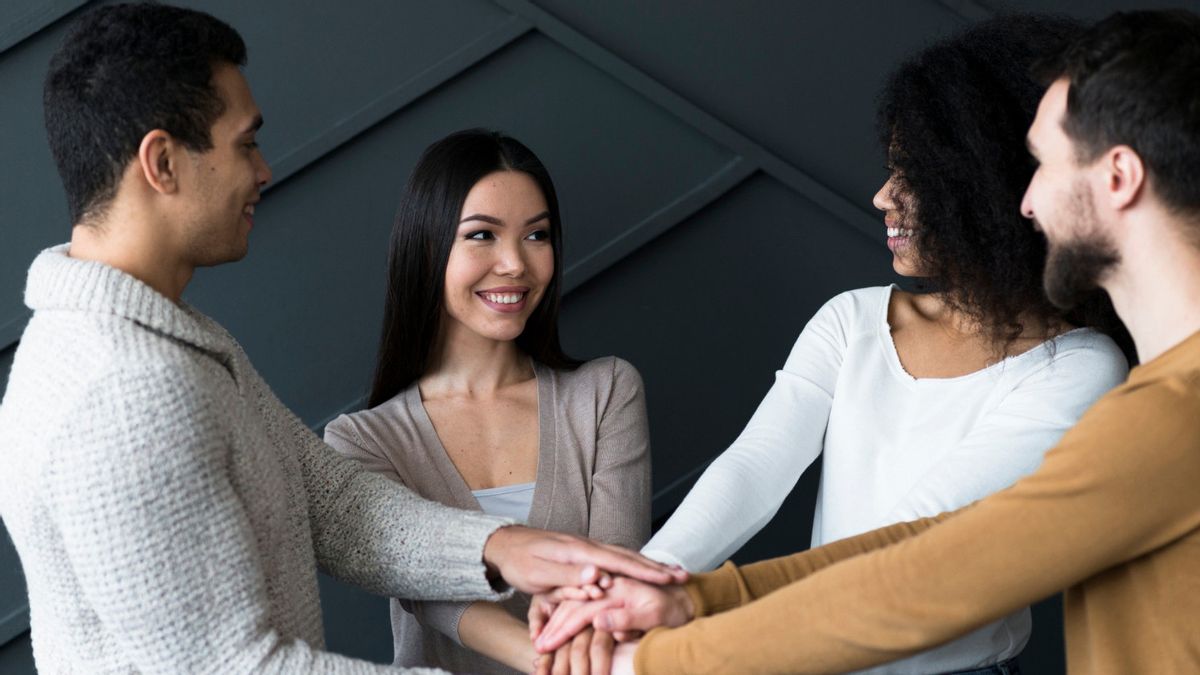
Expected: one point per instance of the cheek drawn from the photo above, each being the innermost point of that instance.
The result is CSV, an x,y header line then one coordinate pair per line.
x,y
464,269
541,265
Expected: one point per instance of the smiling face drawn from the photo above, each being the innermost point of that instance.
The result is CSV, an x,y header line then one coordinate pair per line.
x,y
1061,202
899,209
502,258
222,184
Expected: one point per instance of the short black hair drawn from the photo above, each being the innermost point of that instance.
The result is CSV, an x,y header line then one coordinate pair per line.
x,y
422,235
952,121
1135,80
121,72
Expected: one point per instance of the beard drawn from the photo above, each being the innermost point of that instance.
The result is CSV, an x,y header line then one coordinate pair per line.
x,y
1075,268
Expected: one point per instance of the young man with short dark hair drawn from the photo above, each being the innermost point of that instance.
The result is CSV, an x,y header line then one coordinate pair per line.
x,y
169,511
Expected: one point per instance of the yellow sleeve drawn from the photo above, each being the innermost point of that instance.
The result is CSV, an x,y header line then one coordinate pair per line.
x,y
1120,484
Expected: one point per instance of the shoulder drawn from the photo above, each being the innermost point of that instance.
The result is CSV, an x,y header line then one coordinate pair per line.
x,y
601,374
856,311
390,424
1082,355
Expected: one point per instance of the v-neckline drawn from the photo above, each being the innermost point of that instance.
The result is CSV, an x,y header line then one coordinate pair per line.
x,y
543,490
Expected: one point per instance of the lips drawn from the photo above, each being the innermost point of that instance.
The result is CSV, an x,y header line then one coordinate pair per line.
x,y
505,299
248,213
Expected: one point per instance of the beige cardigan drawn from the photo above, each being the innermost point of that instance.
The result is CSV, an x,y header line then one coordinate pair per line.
x,y
593,479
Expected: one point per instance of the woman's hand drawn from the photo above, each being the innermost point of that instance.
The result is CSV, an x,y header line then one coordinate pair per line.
x,y
588,653
627,607
538,561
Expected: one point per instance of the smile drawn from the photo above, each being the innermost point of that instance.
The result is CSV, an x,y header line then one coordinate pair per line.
x,y
899,232
504,300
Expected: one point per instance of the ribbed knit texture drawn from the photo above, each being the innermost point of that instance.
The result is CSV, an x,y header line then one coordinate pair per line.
x,y
170,513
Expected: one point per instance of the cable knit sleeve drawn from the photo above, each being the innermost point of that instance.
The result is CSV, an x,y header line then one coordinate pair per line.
x,y
744,487
157,532
442,616
377,534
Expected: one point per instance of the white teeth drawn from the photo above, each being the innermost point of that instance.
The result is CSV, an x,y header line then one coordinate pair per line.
x,y
504,298
249,210
899,232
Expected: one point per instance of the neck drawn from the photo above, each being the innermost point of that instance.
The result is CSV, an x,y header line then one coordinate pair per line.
x,y
469,364
1156,289
135,246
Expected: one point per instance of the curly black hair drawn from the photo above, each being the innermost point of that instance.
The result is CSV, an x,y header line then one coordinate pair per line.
x,y
952,120
121,72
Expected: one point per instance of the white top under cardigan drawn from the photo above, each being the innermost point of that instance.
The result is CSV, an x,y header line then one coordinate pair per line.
x,y
895,447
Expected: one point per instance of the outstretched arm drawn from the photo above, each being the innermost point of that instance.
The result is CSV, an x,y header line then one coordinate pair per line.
x,y
1119,485
157,529
745,485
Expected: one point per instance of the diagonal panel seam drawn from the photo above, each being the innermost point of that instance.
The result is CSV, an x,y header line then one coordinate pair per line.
x,y
35,21
15,624
693,115
398,98
729,176
970,10
10,331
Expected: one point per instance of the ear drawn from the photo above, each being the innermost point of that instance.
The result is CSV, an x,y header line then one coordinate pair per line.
x,y
159,158
1124,176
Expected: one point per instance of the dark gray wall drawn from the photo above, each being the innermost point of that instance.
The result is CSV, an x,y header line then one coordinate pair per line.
x,y
715,162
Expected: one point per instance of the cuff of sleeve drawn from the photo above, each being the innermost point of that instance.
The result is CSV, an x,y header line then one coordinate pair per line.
x,y
465,540
663,557
717,591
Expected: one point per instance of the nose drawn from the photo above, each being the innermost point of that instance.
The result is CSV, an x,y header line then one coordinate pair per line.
x,y
1027,203
510,260
883,199
262,172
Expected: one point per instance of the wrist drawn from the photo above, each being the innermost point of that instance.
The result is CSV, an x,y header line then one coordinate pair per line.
x,y
682,601
494,553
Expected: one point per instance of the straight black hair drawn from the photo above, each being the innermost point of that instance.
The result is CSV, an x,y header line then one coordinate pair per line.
x,y
422,236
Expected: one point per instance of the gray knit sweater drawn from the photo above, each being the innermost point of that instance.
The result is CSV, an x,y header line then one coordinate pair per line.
x,y
170,513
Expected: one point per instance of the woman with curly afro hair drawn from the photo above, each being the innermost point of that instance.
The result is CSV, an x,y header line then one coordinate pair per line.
x,y
924,402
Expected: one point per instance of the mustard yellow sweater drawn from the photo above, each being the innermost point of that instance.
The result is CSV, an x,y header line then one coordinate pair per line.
x,y
1112,515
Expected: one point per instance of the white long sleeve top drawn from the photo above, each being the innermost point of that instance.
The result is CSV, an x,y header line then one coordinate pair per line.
x,y
895,447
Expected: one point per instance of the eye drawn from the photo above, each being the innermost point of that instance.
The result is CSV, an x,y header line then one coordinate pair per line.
x,y
480,235
539,235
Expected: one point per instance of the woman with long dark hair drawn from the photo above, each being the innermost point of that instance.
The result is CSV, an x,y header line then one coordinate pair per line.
x,y
475,404
925,402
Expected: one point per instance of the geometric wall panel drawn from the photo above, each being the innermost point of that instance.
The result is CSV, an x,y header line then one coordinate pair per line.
x,y
797,81
311,290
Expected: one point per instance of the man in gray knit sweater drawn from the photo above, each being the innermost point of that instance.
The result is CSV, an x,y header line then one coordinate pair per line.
x,y
169,511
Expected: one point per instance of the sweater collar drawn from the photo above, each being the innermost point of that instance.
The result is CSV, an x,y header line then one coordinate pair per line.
x,y
57,281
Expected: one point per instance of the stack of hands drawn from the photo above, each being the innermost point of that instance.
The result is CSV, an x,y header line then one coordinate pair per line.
x,y
593,629
591,602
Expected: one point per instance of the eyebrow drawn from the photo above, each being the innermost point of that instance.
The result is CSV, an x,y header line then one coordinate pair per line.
x,y
496,221
255,124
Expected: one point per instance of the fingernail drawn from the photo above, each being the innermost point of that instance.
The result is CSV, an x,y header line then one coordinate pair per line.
x,y
588,572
